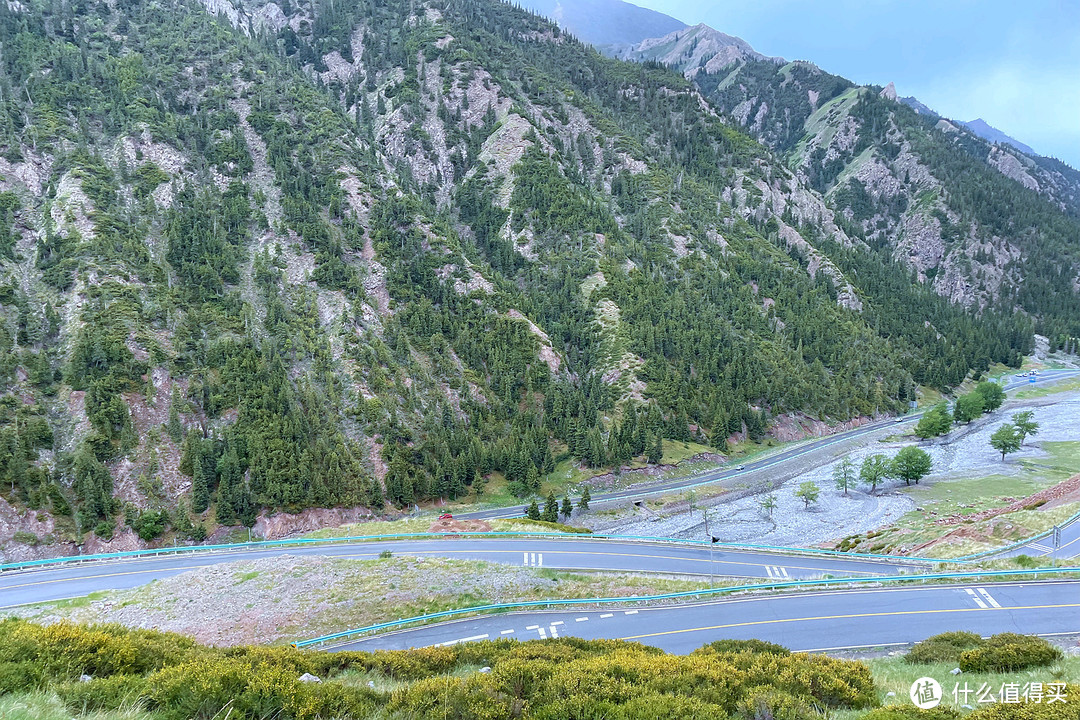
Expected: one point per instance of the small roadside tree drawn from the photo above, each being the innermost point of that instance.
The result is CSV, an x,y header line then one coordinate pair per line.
x,y
968,407
936,421
874,470
809,492
551,508
533,513
844,474
911,463
768,504
992,395
1005,440
567,508
583,503
1025,424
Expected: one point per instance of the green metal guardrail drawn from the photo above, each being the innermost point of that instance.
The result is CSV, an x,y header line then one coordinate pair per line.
x,y
345,634
271,544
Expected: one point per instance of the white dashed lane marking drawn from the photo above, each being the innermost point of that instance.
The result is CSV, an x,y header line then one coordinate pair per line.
x,y
606,615
630,612
582,619
507,632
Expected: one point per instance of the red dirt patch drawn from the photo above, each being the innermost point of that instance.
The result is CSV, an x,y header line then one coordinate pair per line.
x,y
1068,491
444,526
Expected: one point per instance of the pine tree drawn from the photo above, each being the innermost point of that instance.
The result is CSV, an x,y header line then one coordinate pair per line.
x,y
551,508
583,503
656,452
173,427
533,513
567,507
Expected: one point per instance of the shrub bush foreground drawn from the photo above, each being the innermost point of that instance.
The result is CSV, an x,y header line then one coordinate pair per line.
x,y
109,668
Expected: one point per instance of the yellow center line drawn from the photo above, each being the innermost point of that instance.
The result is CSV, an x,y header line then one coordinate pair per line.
x,y
897,613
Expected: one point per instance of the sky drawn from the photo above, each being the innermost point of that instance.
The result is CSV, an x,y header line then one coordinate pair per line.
x,y
1014,64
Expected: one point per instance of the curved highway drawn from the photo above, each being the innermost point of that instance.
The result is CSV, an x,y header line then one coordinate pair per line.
x,y
810,621
721,474
804,621
70,580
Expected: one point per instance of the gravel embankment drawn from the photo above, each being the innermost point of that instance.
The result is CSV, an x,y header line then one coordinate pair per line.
x,y
290,598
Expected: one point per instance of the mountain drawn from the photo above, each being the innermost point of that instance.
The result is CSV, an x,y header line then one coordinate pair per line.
x,y
918,107
992,134
697,49
260,257
605,23
983,224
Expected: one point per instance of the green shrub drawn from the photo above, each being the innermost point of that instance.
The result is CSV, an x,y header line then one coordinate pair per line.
x,y
943,648
26,538
767,702
910,712
754,646
1009,652
19,676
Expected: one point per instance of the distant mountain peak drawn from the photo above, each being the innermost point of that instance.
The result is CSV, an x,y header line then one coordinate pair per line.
x,y
605,23
988,132
695,49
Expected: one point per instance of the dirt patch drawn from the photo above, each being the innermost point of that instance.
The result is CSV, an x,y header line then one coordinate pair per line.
x,y
1060,494
279,525
442,526
1066,492
795,426
632,478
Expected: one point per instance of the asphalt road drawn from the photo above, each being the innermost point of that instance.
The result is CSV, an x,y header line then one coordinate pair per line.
x,y
76,580
750,468
811,621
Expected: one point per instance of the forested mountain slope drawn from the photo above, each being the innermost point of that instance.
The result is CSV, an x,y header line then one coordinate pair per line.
x,y
984,224
280,256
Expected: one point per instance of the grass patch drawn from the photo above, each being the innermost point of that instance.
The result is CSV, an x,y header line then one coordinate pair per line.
x,y
49,706
423,525
676,451
972,495
893,674
1042,390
